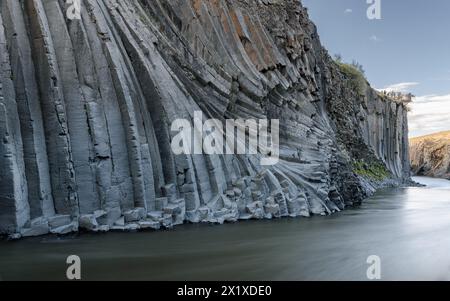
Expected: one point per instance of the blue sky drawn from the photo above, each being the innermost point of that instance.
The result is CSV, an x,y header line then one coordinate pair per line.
x,y
408,50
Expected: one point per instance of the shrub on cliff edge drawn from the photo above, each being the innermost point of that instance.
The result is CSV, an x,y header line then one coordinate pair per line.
x,y
354,73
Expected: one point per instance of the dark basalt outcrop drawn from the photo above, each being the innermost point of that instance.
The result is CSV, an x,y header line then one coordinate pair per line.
x,y
86,107
430,155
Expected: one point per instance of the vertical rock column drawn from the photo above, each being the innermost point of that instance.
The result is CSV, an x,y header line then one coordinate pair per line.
x,y
28,105
14,208
75,105
62,171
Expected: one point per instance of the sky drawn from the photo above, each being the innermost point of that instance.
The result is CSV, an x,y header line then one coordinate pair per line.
x,y
407,50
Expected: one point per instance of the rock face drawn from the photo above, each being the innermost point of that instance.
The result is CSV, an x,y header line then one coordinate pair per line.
x,y
86,107
430,155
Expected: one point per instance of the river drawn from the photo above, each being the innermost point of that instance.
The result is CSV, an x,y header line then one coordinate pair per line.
x,y
407,228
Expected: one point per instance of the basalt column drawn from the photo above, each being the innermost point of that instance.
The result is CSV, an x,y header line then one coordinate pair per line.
x,y
87,106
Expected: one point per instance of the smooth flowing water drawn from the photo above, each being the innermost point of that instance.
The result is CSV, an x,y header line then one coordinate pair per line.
x,y
408,228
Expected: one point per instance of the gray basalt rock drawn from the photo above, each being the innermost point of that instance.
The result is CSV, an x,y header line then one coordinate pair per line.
x,y
131,227
149,225
63,224
65,229
167,221
109,216
103,228
88,222
38,226
86,108
155,215
134,215
57,221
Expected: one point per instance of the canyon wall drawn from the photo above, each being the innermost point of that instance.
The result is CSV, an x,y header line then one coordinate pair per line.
x,y
86,108
430,155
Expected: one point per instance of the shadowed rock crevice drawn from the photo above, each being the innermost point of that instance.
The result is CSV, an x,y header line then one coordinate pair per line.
x,y
86,108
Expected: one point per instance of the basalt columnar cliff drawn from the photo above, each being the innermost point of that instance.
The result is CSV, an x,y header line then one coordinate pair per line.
x,y
430,155
86,107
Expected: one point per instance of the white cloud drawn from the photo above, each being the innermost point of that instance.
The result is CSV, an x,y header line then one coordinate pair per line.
x,y
400,87
374,38
429,114
348,11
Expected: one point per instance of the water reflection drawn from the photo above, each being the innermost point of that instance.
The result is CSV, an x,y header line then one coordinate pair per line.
x,y
408,228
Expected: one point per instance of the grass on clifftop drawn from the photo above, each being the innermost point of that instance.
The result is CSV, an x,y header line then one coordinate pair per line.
x,y
374,171
355,74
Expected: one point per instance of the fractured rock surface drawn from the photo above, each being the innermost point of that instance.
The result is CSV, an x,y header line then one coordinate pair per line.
x,y
86,107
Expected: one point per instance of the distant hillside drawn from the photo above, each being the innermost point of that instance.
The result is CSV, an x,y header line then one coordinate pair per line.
x,y
430,155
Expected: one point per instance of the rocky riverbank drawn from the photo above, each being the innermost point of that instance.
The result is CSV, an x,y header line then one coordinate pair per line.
x,y
86,107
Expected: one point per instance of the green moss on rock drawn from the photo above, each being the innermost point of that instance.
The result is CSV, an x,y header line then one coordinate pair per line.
x,y
374,170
